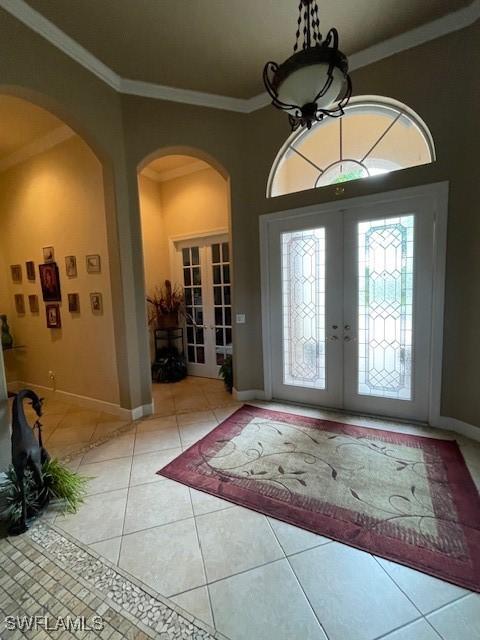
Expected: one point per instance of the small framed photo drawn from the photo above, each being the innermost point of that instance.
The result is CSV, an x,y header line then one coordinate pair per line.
x,y
50,281
71,266
96,303
30,268
93,264
54,320
33,303
74,303
48,254
16,271
20,304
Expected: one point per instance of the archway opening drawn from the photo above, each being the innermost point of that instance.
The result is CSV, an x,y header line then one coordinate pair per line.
x,y
185,216
55,280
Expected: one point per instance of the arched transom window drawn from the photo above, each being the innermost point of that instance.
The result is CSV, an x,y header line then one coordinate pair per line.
x,y
374,136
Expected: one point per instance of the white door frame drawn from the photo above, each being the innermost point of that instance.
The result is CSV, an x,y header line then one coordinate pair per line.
x,y
176,271
438,194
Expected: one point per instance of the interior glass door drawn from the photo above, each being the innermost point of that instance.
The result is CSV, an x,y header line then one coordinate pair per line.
x,y
204,268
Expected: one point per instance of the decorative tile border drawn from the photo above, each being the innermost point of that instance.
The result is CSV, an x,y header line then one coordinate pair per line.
x,y
152,613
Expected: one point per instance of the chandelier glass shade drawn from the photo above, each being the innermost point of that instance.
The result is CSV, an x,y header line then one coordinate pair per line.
x,y
314,81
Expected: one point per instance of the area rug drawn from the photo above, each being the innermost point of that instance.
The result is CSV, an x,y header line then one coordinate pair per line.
x,y
406,498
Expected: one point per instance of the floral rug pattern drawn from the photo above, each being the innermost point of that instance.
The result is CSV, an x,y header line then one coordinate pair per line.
x,y
407,498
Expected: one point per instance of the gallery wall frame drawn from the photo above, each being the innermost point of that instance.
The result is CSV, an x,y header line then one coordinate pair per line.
x,y
50,281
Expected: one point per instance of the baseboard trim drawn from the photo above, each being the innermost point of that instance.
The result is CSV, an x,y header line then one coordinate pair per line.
x,y
84,401
441,422
142,411
457,426
248,394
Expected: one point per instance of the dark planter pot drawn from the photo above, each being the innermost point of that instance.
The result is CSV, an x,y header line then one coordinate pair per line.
x,y
168,321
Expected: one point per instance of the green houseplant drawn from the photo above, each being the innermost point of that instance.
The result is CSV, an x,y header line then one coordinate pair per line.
x,y
226,372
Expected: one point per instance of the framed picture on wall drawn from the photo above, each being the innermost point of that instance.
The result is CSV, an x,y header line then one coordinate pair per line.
x,y
33,303
74,303
16,271
50,281
96,303
71,266
48,254
54,320
30,268
20,304
93,264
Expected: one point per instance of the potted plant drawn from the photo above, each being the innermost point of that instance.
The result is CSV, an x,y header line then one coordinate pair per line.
x,y
226,372
165,305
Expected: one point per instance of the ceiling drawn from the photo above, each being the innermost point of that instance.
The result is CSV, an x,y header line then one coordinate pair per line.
x,y
220,46
168,163
21,122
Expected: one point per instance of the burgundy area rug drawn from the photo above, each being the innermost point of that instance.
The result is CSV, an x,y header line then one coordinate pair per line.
x,y
406,498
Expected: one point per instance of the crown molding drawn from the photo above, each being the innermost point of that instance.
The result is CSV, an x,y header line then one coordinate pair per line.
x,y
40,145
171,174
435,29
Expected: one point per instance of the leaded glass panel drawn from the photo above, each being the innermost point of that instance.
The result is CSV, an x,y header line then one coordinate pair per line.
x,y
303,292
385,312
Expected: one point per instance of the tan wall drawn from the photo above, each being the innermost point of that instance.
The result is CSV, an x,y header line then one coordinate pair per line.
x,y
189,205
153,233
57,199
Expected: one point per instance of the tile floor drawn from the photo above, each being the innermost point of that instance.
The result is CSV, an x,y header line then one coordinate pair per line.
x,y
249,576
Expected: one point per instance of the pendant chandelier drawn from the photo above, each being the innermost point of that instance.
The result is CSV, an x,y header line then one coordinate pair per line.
x,y
314,81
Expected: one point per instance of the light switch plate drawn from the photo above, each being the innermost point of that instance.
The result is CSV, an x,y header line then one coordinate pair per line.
x,y
240,318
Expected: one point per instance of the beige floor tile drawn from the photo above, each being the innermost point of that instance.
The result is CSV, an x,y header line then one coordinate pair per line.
x,y
154,424
107,428
146,465
190,433
108,475
205,503
350,593
109,549
265,603
119,447
189,403
157,440
426,592
293,539
167,558
235,540
75,418
459,620
193,417
157,503
71,435
197,603
419,630
101,517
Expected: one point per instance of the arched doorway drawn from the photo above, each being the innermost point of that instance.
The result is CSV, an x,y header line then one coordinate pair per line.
x,y
185,214
55,271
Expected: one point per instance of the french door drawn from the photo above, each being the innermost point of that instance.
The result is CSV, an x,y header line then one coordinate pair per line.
x,y
350,307
203,268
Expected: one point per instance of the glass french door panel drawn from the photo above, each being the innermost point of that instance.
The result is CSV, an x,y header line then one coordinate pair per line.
x,y
193,291
222,301
386,264
303,308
